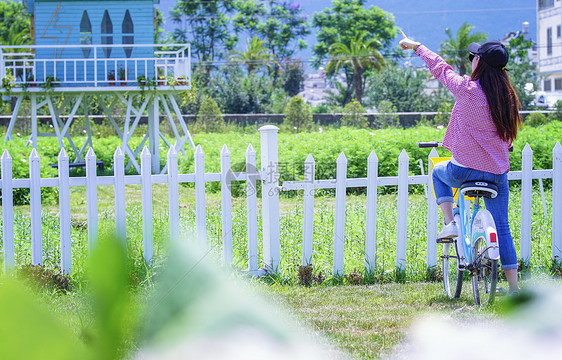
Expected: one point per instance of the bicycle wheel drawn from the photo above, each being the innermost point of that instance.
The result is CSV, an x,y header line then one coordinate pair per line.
x,y
452,276
485,275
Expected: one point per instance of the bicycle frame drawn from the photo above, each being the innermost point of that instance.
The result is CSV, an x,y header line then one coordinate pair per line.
x,y
464,236
468,238
478,252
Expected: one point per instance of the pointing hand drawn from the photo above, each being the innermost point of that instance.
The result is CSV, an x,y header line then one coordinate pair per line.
x,y
406,43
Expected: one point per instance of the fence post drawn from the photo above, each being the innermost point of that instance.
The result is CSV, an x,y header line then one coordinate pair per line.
x,y
526,198
173,194
92,199
35,207
371,215
154,133
200,212
308,210
146,195
119,191
226,204
252,209
64,208
7,212
432,215
33,100
557,202
402,215
270,197
339,221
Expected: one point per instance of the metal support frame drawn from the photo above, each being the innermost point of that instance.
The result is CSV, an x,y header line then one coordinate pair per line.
x,y
137,104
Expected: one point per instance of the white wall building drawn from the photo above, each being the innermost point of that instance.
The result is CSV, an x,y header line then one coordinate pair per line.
x,y
316,87
549,40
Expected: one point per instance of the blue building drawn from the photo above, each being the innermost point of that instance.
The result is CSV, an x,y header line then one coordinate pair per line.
x,y
101,48
82,43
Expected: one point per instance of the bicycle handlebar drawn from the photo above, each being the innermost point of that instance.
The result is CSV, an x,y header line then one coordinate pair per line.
x,y
426,144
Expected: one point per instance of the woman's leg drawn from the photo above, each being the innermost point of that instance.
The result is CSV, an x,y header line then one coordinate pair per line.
x,y
445,177
511,276
447,209
498,207
443,191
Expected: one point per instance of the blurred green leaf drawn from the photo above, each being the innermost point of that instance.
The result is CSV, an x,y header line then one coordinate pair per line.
x,y
109,285
29,331
193,300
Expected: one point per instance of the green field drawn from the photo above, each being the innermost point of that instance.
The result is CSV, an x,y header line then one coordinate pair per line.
x,y
290,230
361,314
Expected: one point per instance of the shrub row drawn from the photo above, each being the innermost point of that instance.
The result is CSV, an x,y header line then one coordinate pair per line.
x,y
324,145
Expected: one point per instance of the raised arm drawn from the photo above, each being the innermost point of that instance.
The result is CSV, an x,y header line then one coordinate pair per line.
x,y
438,67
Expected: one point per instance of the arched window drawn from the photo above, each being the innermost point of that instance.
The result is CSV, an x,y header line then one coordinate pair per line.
x,y
86,34
128,29
106,33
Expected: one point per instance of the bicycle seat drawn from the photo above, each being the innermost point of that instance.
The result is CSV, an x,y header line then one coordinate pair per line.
x,y
479,189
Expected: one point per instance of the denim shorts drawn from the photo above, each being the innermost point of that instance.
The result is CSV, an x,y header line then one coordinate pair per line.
x,y
447,175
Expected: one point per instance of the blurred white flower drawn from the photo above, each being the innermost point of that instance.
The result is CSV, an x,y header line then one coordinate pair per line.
x,y
320,129
18,134
531,330
371,133
440,127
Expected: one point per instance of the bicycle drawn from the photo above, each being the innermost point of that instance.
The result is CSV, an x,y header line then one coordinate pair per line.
x,y
476,249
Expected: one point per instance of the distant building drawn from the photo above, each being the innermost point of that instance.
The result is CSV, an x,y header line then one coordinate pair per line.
x,y
316,87
549,40
525,32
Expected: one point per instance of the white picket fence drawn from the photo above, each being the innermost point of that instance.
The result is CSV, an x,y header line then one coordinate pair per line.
x,y
269,176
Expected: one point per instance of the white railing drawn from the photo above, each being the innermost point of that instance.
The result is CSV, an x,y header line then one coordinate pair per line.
x,y
269,175
67,66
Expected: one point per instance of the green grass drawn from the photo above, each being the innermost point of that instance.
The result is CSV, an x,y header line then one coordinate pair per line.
x,y
363,322
290,229
367,321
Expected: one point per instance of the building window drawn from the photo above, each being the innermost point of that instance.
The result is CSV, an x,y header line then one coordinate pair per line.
x,y
128,29
549,41
86,34
545,4
106,33
559,31
547,85
558,84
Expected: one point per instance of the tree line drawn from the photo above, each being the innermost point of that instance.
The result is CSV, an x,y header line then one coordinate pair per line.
x,y
353,48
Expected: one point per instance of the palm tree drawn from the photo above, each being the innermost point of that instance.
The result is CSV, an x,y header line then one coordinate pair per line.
x,y
16,36
454,49
255,55
339,96
360,56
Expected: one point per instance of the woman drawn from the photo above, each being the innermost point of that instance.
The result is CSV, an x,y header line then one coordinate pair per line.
x,y
483,125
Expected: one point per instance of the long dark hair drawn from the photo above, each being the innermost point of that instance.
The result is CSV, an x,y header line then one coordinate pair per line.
x,y
502,99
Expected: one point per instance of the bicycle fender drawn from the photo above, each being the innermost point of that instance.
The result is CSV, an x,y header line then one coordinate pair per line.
x,y
484,226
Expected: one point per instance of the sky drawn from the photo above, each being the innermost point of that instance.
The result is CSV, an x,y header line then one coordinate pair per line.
x,y
426,20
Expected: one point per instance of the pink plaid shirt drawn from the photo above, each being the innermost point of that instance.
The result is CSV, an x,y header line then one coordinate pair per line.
x,y
471,135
